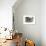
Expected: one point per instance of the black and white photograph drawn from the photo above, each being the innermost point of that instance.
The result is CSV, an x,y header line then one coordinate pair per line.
x,y
28,19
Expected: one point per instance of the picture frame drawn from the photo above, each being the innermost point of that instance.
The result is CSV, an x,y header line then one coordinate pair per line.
x,y
28,19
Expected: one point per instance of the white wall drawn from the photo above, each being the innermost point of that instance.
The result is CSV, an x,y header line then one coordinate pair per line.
x,y
36,32
29,7
6,13
43,22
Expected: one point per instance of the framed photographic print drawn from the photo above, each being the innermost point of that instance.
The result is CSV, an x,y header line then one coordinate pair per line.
x,y
28,19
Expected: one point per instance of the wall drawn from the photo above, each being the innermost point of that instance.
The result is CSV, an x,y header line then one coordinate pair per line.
x,y
30,31
6,13
43,22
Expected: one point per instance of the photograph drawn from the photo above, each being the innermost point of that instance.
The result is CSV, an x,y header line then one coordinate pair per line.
x,y
28,19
